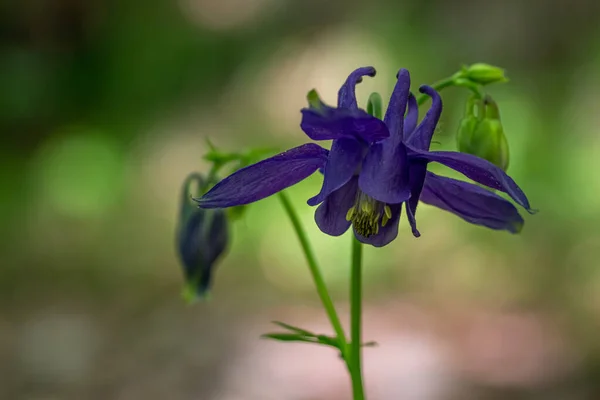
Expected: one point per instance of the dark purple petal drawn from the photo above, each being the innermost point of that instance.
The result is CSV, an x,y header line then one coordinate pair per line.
x,y
328,123
410,214
344,158
386,233
266,177
384,174
472,203
346,94
412,116
394,116
477,169
421,137
331,214
417,172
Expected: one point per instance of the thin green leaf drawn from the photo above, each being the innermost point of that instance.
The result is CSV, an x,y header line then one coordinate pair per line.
x,y
328,341
289,337
294,329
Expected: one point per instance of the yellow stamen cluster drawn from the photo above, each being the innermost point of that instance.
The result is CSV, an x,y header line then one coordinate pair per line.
x,y
368,214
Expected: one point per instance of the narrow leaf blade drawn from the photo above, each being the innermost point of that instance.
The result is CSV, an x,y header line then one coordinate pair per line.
x,y
288,337
294,328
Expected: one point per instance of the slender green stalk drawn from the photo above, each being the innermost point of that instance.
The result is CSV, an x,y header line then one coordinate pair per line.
x,y
355,321
439,85
454,80
316,274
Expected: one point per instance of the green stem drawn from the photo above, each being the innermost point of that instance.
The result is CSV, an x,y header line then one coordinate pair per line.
x,y
439,85
316,274
355,321
454,80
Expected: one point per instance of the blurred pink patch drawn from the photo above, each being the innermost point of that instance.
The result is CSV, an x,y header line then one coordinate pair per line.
x,y
421,354
510,349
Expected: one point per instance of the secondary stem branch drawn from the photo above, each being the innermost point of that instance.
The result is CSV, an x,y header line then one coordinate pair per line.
x,y
316,274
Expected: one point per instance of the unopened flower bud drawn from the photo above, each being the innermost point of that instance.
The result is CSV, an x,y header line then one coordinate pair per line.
x,y
467,126
202,237
483,135
484,74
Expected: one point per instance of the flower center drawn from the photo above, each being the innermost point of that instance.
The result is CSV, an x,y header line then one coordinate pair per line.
x,y
368,214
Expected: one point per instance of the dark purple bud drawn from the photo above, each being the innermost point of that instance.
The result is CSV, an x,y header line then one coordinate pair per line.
x,y
202,237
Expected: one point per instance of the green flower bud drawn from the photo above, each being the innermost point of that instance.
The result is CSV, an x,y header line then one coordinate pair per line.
x,y
483,135
467,126
483,74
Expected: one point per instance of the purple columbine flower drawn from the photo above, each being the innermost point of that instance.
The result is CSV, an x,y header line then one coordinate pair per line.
x,y
373,167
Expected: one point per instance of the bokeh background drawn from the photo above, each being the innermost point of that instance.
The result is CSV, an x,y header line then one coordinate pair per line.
x,y
104,109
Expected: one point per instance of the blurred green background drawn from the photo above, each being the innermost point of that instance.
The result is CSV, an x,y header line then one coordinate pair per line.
x,y
104,109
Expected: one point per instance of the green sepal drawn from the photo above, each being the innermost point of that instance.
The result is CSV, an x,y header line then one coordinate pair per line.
x,y
314,101
375,105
